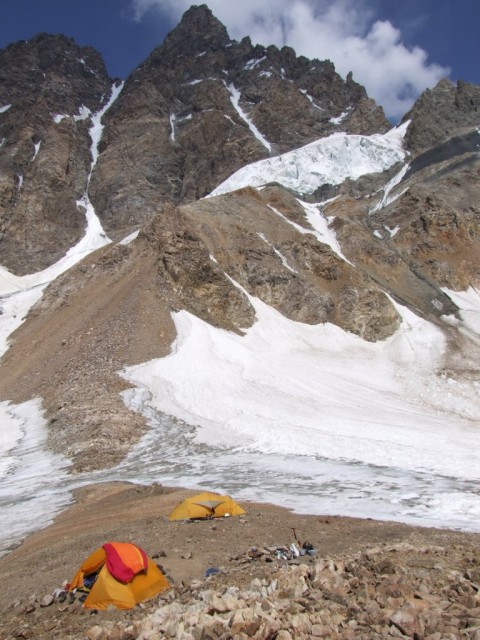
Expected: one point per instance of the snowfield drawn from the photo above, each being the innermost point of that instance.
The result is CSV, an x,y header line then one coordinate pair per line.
x,y
247,391
321,407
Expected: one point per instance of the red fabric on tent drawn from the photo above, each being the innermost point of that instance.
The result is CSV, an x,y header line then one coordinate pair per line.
x,y
125,560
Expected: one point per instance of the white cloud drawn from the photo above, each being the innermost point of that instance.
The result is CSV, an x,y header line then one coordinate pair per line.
x,y
343,31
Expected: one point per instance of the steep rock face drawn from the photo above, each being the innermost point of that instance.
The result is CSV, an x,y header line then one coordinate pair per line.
x,y
439,239
370,243
44,162
198,31
442,112
66,75
202,106
433,218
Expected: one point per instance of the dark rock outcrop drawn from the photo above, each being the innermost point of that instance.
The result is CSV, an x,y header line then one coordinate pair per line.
x,y
441,113
44,161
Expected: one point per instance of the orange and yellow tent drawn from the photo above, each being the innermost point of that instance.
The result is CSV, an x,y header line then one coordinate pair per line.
x,y
206,505
124,576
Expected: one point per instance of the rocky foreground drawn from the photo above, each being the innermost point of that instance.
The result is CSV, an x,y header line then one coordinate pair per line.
x,y
399,591
389,591
237,578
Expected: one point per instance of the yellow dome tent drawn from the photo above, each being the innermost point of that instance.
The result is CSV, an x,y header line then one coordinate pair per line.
x,y
206,505
137,577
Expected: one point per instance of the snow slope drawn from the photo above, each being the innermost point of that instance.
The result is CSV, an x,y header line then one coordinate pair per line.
x,y
312,418
289,388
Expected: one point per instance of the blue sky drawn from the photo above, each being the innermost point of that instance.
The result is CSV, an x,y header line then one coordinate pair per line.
x,y
396,48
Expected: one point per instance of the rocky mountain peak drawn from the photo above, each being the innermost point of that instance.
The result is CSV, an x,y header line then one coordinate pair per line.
x,y
199,30
55,67
204,106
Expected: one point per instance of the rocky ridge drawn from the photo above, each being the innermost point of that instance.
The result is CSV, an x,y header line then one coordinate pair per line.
x,y
442,111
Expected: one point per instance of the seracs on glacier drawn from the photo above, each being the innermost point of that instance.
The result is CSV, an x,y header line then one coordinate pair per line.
x,y
326,161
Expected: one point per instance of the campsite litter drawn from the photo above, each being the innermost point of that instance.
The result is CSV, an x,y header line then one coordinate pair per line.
x,y
98,587
290,552
270,553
